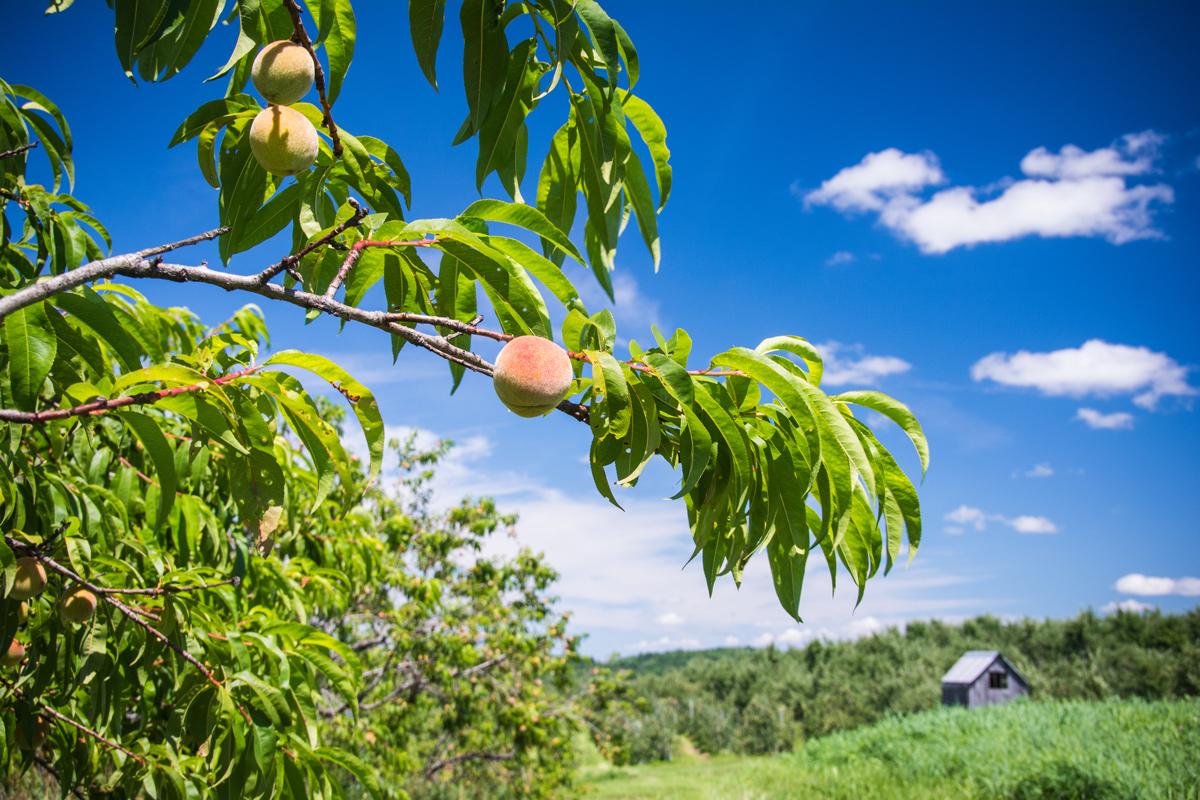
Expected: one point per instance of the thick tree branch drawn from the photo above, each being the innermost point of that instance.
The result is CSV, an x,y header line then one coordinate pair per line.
x,y
300,37
94,270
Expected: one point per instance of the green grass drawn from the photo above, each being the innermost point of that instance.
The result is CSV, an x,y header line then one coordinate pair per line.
x,y
1109,750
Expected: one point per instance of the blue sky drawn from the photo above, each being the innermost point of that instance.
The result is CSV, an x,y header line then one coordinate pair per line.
x,y
926,189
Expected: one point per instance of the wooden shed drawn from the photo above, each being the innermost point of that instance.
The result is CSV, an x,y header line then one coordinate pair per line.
x,y
982,678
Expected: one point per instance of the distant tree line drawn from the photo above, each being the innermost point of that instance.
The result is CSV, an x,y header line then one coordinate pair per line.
x,y
763,701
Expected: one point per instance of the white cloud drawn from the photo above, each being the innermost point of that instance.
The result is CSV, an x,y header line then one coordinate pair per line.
x,y
1134,155
969,516
877,180
1129,605
1040,471
670,618
849,364
1095,368
731,641
1069,193
839,258
1147,585
1117,420
663,643
1028,524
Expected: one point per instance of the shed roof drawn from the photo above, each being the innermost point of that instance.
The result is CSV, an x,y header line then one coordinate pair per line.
x,y
973,664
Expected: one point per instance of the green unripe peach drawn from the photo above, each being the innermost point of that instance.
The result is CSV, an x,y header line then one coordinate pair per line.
x,y
532,376
31,734
77,605
22,613
283,72
13,655
29,580
283,141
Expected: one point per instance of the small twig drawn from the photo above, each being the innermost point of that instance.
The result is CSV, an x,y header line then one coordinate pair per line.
x,y
16,151
157,591
109,743
166,248
356,253
101,406
300,37
440,765
286,263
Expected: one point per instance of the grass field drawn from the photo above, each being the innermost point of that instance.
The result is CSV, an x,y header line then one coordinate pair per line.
x,y
1110,750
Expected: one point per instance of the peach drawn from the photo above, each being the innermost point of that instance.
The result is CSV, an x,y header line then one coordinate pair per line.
x,y
32,733
14,655
283,72
532,375
30,579
283,141
77,605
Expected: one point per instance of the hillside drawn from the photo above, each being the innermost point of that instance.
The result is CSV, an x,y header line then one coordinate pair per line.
x,y
1070,750
760,701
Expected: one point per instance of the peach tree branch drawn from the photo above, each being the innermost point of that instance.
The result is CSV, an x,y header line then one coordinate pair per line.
x,y
300,37
79,726
100,406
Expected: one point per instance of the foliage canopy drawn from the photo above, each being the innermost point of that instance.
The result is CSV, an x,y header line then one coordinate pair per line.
x,y
206,497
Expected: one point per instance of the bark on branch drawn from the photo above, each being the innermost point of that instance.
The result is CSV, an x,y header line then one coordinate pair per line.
x,y
300,37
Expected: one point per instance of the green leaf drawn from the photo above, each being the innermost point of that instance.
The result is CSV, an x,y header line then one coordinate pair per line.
x,y
523,216
604,34
650,127
546,271
32,347
90,309
498,135
146,429
269,220
558,185
637,190
425,20
360,398
799,347
337,18
208,113
608,378
352,764
897,412
485,54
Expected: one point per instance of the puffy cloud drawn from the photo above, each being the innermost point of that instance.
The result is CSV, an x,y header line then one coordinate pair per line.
x,y
1150,586
1069,193
1133,155
1129,605
877,180
839,258
1028,524
1095,368
849,364
1117,420
1040,471
969,516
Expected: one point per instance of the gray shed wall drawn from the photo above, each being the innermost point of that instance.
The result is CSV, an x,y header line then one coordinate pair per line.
x,y
982,695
